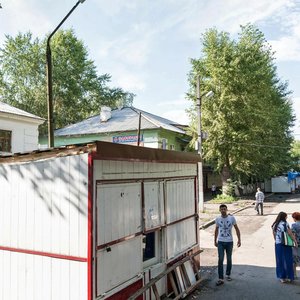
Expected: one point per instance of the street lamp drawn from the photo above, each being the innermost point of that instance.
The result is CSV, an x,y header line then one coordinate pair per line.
x,y
199,140
49,79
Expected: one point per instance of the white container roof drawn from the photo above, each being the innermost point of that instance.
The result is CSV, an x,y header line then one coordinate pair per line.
x,y
11,110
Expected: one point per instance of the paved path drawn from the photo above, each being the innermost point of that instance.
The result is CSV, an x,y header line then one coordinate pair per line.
x,y
253,264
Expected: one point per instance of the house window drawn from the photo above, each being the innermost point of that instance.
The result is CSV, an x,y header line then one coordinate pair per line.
x,y
172,147
5,141
164,143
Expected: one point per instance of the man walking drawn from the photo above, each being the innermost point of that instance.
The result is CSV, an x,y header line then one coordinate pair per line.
x,y
260,197
224,242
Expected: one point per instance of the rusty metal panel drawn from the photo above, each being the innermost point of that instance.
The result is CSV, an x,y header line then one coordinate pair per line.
x,y
119,211
128,170
180,237
125,152
154,204
118,264
180,199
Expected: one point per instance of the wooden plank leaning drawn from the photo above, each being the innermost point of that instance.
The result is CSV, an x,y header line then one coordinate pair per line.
x,y
166,272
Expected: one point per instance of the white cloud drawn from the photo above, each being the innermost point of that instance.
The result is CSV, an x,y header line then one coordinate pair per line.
x,y
23,16
127,80
180,102
287,48
228,15
134,52
132,48
178,116
175,110
114,7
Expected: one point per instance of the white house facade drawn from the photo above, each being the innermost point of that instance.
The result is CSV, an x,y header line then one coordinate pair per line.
x,y
18,130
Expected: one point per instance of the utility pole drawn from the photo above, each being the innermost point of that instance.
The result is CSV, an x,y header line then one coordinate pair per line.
x,y
199,141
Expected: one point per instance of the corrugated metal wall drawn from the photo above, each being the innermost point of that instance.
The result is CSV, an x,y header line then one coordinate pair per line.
x,y
133,198
119,215
180,199
119,211
43,229
154,204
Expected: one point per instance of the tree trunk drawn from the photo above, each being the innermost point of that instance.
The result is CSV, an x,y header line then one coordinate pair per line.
x,y
225,175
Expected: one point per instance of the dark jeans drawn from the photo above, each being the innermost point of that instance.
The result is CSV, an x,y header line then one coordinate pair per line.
x,y
222,248
261,206
284,262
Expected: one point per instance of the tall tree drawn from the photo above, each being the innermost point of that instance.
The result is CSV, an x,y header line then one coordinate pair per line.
x,y
249,119
295,155
78,91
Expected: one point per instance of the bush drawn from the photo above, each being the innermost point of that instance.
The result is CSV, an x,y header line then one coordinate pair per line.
x,y
224,199
229,189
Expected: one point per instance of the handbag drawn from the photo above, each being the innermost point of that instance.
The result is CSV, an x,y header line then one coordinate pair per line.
x,y
286,240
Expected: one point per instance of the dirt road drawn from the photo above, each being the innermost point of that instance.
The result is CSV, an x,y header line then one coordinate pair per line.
x,y
253,270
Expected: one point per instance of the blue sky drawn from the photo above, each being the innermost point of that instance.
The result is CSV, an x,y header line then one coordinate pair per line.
x,y
146,45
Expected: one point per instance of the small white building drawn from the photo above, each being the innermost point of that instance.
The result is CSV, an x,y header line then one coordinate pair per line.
x,y
18,130
280,184
94,221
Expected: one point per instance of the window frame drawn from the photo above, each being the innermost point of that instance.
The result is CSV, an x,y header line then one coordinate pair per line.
x,y
157,249
5,140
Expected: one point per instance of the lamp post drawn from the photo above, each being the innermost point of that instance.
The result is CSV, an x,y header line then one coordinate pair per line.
x,y
199,141
49,79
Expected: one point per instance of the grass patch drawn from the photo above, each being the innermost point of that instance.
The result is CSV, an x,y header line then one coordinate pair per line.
x,y
223,199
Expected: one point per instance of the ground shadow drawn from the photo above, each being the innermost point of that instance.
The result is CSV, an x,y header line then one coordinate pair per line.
x,y
249,282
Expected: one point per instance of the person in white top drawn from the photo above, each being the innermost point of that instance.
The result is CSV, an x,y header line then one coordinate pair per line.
x,y
260,197
224,241
283,254
213,190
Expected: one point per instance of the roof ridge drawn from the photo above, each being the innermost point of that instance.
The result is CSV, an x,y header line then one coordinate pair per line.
x,y
145,117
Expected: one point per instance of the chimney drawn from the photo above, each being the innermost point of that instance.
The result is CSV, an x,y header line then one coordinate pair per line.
x,y
105,113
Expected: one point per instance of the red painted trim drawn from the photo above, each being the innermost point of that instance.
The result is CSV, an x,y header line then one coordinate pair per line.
x,y
125,293
196,210
90,229
182,219
96,240
42,253
127,238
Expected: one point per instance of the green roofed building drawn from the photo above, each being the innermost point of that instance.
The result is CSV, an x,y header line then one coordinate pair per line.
x,y
122,126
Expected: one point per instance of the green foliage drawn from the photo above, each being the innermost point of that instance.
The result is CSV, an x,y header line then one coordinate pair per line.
x,y
248,120
223,198
78,91
229,188
295,156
